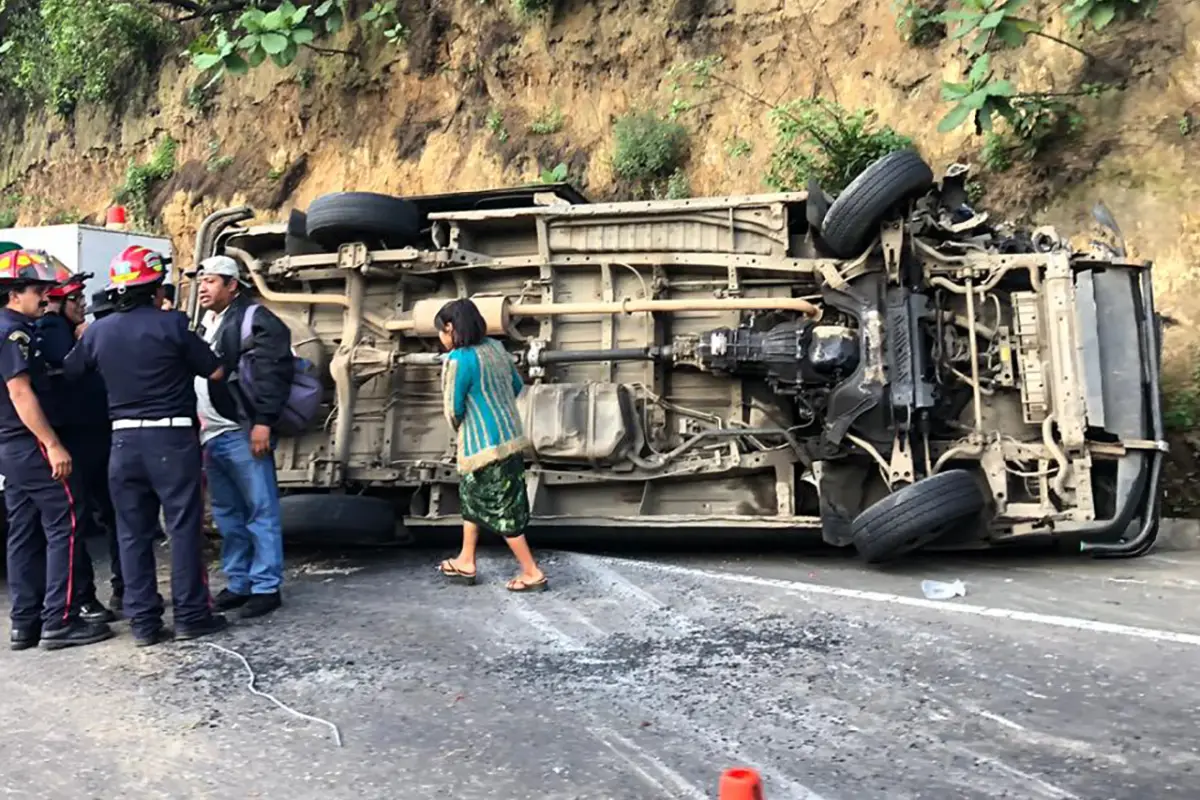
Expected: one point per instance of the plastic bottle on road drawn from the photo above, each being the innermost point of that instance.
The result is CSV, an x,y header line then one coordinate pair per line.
x,y
938,590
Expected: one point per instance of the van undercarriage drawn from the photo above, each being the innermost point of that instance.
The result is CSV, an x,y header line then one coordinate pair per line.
x,y
888,366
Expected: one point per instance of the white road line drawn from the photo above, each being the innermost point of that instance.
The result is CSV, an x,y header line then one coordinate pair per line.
x,y
799,587
683,788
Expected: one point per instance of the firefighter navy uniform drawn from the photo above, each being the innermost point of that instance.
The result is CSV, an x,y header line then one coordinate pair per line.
x,y
77,412
149,360
43,546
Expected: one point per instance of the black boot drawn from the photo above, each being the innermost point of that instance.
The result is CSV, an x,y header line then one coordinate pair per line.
x,y
214,624
260,605
24,637
228,601
92,610
75,633
162,634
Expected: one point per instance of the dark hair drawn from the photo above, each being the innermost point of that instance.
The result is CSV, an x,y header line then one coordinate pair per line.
x,y
134,296
169,291
469,326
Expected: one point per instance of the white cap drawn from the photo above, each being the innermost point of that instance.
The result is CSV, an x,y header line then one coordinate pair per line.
x,y
219,265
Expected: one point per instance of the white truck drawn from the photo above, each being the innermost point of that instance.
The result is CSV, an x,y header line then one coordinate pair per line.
x,y
83,248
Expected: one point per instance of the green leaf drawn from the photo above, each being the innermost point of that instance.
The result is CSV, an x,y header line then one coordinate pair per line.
x,y
1001,89
274,21
957,116
236,64
1011,35
335,21
249,41
323,9
977,99
955,91
274,43
287,56
206,61
992,20
1101,15
303,35
5,47
957,16
257,56
299,15
980,69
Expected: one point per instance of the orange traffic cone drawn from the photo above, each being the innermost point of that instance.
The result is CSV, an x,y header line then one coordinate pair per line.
x,y
740,783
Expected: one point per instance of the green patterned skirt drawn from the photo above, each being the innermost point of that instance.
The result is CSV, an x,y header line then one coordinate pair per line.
x,y
494,498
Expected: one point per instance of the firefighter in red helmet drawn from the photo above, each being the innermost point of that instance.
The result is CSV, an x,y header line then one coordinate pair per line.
x,y
77,411
149,359
40,490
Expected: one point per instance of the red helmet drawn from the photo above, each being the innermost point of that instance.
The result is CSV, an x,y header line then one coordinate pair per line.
x,y
68,283
25,267
136,266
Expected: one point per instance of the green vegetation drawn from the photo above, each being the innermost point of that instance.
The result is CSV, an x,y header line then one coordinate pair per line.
x,y
549,121
1097,14
919,21
1018,124
556,175
647,148
820,139
737,147
217,162
64,217
529,8
495,125
1187,124
382,19
59,53
8,217
678,187
140,180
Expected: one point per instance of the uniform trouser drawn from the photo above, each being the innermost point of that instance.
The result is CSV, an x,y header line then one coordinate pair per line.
x,y
47,563
149,467
89,448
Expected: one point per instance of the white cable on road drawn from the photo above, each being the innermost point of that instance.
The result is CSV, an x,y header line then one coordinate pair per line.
x,y
337,735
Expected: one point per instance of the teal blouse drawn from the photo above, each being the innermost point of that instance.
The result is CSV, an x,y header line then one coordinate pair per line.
x,y
480,385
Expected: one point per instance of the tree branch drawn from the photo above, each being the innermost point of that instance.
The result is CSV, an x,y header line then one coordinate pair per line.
x,y
330,51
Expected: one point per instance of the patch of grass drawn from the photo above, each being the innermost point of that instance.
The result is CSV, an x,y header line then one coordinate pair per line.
x,y
1034,127
549,121
495,125
64,217
140,179
919,21
530,8
217,162
647,148
8,217
737,147
678,187
820,139
1187,124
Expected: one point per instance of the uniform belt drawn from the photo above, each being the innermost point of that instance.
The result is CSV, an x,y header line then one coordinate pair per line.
x,y
166,422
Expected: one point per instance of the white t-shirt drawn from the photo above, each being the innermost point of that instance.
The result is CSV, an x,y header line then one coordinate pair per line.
x,y
212,424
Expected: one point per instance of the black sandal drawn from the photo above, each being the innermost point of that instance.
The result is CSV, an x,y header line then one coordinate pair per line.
x,y
454,574
518,585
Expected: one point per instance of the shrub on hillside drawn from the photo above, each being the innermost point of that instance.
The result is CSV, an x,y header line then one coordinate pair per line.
x,y
647,147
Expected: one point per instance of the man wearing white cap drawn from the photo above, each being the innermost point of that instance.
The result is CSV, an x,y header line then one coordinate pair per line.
x,y
236,421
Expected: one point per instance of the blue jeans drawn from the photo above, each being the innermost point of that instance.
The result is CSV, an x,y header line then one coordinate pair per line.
x,y
245,507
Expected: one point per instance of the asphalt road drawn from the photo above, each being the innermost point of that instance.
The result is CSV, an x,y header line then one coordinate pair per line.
x,y
643,676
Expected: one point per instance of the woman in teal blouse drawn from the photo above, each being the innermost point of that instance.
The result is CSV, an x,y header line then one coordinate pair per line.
x,y
480,385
